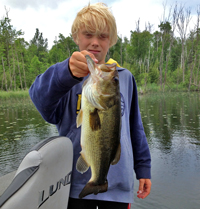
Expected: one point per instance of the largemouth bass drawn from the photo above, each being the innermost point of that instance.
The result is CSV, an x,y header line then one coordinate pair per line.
x,y
100,120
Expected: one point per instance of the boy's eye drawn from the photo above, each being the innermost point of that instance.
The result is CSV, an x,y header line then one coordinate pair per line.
x,y
103,36
88,35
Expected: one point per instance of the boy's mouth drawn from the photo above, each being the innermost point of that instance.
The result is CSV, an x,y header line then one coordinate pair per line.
x,y
94,51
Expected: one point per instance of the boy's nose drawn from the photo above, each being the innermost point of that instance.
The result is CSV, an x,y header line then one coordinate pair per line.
x,y
95,41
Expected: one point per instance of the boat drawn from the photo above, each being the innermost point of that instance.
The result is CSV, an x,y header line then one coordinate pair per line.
x,y
43,179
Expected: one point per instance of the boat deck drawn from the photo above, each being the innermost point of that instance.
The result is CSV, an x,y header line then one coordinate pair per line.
x,y
5,181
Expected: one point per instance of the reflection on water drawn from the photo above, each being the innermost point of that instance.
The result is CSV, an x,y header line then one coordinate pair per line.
x,y
166,116
172,126
171,123
21,127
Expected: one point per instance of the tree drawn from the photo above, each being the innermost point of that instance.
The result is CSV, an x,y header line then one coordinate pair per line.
x,y
62,48
117,52
8,35
170,29
35,68
182,22
39,45
195,46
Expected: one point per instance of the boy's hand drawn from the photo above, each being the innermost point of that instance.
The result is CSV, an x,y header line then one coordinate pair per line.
x,y
144,188
78,64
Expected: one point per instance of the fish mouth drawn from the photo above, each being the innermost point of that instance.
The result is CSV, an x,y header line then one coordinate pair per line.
x,y
94,70
91,63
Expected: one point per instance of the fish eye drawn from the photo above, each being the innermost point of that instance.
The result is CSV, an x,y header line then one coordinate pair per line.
x,y
116,79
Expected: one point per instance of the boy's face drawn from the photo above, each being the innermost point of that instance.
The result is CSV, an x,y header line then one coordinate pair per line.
x,y
97,44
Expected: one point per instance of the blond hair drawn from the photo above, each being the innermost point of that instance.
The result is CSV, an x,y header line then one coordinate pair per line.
x,y
96,18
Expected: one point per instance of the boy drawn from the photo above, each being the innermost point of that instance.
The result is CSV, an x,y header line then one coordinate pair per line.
x,y
56,95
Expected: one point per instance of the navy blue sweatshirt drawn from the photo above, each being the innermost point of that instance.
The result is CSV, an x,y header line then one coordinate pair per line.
x,y
57,95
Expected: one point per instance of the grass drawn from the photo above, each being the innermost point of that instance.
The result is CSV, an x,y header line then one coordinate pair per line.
x,y
4,95
150,88
154,88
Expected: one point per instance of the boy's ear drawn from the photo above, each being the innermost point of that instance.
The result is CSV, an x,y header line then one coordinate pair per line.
x,y
75,39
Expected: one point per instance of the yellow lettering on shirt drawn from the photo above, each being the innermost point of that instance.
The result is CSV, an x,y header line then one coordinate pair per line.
x,y
78,104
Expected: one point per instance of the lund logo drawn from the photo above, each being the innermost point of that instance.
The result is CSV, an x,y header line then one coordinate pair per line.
x,y
52,191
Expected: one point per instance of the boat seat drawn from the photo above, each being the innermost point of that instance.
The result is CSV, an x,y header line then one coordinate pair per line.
x,y
43,178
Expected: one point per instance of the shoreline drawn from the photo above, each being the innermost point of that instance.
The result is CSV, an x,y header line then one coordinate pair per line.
x,y
149,89
4,95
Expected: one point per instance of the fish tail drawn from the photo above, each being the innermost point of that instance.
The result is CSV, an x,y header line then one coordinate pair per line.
x,y
91,188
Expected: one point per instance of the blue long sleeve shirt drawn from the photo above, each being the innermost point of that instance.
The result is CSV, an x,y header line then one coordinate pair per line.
x,y
57,95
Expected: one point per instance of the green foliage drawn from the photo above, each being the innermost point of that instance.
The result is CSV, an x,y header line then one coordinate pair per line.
x,y
116,56
165,27
176,76
154,73
13,94
62,49
175,58
140,43
117,52
35,66
39,45
150,57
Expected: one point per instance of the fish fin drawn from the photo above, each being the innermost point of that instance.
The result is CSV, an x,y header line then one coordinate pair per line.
x,y
117,155
79,118
91,188
81,165
95,122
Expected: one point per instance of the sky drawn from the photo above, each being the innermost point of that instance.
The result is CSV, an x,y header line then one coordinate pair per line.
x,y
52,17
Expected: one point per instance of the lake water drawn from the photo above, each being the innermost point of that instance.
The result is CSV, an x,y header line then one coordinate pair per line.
x,y
172,127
